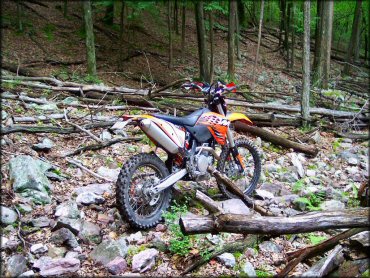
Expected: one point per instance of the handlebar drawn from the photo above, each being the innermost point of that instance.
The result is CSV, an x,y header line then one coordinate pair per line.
x,y
207,89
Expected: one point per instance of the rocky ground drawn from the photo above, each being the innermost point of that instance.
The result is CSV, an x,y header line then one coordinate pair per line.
x,y
58,219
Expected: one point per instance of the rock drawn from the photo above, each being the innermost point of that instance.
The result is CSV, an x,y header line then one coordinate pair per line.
x,y
90,233
72,254
88,198
38,248
45,145
248,269
214,239
4,115
45,107
160,228
272,188
8,216
117,266
286,200
12,245
272,168
105,135
361,238
56,252
57,266
269,246
289,177
144,260
53,176
234,206
251,252
29,273
281,160
332,205
263,194
95,188
227,259
24,208
64,236
135,237
297,163
353,268
105,219
108,250
291,212
347,155
68,209
16,265
352,161
109,173
3,242
310,173
70,100
352,170
41,222
74,225
258,142
316,137
28,177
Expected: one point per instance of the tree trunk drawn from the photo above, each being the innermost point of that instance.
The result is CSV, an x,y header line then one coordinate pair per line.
x,y
322,70
109,14
281,25
202,49
183,22
259,40
237,35
292,31
90,44
176,17
241,13
231,40
285,23
276,225
354,40
65,8
170,59
19,16
121,31
211,41
305,102
288,30
319,9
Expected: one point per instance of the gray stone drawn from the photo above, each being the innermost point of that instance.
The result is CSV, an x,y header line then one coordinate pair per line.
x,y
285,200
346,145
281,160
105,135
352,170
117,266
90,233
258,142
263,194
352,161
41,222
70,100
54,177
272,188
12,245
29,273
56,252
214,239
144,260
289,177
16,265
135,237
316,137
24,208
332,205
88,198
74,225
68,209
45,107
8,216
227,259
45,145
248,269
38,248
362,238
251,252
109,173
96,188
310,173
28,177
346,155
72,254
64,236
297,163
4,115
108,250
234,206
272,168
291,212
269,246
57,266
3,242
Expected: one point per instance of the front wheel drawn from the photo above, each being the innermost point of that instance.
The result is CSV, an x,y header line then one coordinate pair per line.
x,y
246,180
140,173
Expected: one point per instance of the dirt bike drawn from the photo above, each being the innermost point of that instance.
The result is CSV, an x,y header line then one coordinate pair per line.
x,y
143,188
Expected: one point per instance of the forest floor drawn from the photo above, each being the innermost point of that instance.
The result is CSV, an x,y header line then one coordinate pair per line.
x,y
328,181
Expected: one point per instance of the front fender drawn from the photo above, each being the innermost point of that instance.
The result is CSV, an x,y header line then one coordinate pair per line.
x,y
232,117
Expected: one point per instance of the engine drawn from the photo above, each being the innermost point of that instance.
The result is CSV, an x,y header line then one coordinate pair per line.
x,y
197,166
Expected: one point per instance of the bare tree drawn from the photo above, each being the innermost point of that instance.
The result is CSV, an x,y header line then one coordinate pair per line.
x,y
211,41
259,39
305,102
231,40
183,21
201,34
90,44
170,59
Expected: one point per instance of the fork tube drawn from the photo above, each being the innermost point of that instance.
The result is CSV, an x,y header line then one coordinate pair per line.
x,y
230,136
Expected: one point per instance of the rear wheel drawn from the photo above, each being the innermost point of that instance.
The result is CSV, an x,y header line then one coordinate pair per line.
x,y
246,180
138,175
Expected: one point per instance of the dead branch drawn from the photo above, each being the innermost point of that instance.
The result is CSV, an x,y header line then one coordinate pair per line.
x,y
170,85
74,162
94,147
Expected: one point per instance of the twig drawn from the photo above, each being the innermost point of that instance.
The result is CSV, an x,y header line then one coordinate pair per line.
x,y
19,229
82,129
74,162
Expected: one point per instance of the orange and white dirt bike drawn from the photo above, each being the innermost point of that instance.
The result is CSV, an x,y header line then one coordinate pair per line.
x,y
144,186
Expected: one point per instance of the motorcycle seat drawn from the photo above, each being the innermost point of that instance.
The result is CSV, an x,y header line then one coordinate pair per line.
x,y
189,120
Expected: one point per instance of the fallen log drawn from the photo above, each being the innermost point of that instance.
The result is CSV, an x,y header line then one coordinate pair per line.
x,y
271,137
308,252
277,225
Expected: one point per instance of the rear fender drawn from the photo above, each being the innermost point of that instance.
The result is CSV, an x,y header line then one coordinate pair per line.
x,y
232,117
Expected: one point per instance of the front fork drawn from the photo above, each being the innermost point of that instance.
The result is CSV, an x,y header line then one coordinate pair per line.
x,y
237,157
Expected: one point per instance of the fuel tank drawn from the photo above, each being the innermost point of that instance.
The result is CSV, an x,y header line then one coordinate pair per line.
x,y
164,134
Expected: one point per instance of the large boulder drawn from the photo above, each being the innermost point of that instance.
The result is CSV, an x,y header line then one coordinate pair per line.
x,y
29,180
108,250
8,216
16,265
57,266
64,236
144,260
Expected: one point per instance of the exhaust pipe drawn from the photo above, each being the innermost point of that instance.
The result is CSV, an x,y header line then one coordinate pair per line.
x,y
153,131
